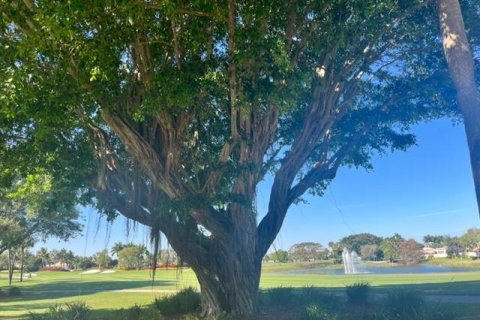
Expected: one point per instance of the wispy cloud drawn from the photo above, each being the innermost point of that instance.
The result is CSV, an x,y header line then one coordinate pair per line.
x,y
437,213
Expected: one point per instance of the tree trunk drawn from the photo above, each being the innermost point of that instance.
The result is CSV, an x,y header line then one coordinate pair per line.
x,y
461,69
11,265
233,290
22,255
227,268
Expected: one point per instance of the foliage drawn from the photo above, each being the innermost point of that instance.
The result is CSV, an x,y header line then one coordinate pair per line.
x,y
278,256
315,312
185,301
434,241
410,252
356,241
137,312
454,249
102,258
63,256
470,240
390,246
305,251
68,311
133,257
53,268
371,252
357,294
171,113
84,263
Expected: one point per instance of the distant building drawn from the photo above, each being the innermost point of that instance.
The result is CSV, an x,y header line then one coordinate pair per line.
x,y
435,252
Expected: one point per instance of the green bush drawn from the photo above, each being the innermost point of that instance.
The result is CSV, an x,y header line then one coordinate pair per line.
x,y
69,311
14,292
137,312
185,301
316,312
357,293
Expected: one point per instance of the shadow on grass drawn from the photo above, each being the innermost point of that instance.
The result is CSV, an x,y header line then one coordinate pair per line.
x,y
461,288
456,288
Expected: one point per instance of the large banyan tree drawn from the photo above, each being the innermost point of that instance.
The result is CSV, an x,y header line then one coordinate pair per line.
x,y
170,113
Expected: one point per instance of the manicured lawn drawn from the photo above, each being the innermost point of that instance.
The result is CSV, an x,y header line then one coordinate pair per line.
x,y
108,291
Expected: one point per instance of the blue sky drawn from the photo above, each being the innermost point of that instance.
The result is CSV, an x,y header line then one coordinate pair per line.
x,y
426,190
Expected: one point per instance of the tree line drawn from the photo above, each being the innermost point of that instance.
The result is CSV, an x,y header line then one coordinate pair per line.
x,y
374,248
125,256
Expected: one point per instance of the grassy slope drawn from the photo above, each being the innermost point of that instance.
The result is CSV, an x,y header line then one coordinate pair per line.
x,y
102,291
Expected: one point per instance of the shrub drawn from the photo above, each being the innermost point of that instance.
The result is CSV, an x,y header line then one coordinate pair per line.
x,y
53,268
14,292
311,295
403,304
69,311
281,296
185,301
136,312
357,293
316,312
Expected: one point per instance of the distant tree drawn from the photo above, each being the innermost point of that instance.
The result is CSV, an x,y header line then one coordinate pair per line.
x,y
305,251
410,252
470,240
279,256
44,256
102,258
371,252
168,256
63,256
356,241
117,246
132,257
336,251
454,249
434,241
84,263
390,246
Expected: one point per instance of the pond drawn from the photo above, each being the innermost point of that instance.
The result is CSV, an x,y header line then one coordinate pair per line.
x,y
385,269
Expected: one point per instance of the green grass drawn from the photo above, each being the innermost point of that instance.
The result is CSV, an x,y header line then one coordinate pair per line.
x,y
456,262
123,289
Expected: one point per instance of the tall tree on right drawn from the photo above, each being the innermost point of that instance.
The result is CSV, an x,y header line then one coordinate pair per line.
x,y
462,71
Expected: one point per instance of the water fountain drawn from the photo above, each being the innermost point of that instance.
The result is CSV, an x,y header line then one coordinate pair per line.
x,y
351,261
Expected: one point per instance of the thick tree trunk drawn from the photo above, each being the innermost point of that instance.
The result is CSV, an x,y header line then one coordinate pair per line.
x,y
461,69
227,268
232,290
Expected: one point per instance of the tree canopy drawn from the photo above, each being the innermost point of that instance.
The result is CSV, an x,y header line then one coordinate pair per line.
x,y
171,112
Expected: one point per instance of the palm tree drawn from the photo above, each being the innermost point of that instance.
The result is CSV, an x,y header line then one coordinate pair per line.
x,y
44,255
117,247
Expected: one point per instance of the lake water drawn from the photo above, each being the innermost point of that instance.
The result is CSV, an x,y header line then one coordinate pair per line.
x,y
422,268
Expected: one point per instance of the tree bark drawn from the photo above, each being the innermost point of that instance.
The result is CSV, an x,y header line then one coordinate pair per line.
x,y
22,255
461,68
227,268
11,265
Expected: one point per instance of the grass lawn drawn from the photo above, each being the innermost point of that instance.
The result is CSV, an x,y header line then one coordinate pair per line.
x,y
122,289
